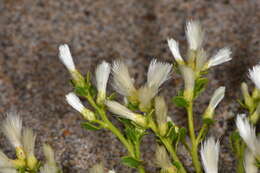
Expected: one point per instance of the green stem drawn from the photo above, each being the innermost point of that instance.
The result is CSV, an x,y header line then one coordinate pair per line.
x,y
194,146
240,162
201,133
173,153
133,151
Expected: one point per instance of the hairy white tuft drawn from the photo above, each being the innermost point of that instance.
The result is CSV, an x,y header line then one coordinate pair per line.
x,y
174,47
123,83
12,128
161,157
223,55
74,102
194,34
217,97
8,170
247,132
254,75
48,168
102,75
210,154
66,58
158,73
28,141
145,95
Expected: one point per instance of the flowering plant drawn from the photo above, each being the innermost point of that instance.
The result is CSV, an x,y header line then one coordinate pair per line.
x,y
143,110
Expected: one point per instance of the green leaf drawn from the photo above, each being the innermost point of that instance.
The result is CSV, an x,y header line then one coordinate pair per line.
x,y
81,91
208,121
90,126
112,96
235,141
200,84
180,101
130,161
182,133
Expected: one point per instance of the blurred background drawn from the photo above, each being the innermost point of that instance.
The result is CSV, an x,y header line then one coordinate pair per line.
x,y
34,82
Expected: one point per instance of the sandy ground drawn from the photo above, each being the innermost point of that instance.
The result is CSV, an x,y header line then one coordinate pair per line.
x,y
34,82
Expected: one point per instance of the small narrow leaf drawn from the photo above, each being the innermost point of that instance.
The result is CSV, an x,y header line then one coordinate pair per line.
x,y
180,101
90,126
130,161
200,85
208,121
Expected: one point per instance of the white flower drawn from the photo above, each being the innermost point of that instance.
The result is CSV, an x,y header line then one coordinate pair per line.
x,y
158,73
174,47
247,132
5,162
254,75
66,57
194,34
210,154
217,97
122,81
75,102
49,154
188,76
223,55
161,157
12,128
145,95
102,75
122,111
28,141
249,162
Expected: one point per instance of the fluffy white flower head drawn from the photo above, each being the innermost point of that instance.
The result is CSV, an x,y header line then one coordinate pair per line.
x,y
174,47
247,132
217,97
194,34
75,102
66,58
12,128
102,75
254,75
123,83
210,154
223,55
158,73
28,141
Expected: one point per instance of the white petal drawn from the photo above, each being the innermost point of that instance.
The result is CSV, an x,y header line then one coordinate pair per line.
x,y
12,128
217,97
158,73
75,102
102,75
223,55
254,75
174,47
210,155
28,141
120,110
123,83
66,57
247,132
189,77
194,34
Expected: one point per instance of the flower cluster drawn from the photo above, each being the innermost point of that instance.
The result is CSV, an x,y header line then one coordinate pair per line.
x,y
23,140
143,108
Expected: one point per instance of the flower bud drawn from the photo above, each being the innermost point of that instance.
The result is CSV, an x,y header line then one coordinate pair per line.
x,y
161,115
189,81
247,98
